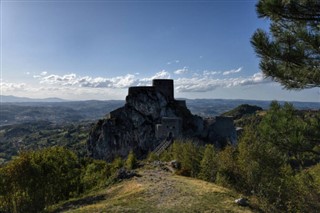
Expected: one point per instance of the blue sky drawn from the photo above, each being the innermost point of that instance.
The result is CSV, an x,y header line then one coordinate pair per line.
x,y
96,49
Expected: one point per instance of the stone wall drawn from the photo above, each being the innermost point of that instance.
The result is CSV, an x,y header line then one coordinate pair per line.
x,y
181,103
224,127
169,127
136,90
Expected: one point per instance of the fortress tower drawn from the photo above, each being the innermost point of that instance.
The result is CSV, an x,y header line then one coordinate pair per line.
x,y
165,86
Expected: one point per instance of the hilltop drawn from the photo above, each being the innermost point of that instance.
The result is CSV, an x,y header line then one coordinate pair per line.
x,y
242,110
156,189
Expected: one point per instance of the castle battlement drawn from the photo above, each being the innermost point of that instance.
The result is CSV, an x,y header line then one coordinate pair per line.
x,y
165,86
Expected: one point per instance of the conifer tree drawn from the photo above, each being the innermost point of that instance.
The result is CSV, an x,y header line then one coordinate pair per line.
x,y
290,53
208,164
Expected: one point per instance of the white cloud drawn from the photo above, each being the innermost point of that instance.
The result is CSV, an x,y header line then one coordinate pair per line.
x,y
69,79
232,71
43,73
99,82
205,83
162,74
9,87
199,82
86,81
208,73
181,71
124,81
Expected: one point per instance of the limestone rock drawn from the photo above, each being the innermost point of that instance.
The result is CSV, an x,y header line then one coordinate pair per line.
x,y
150,115
242,201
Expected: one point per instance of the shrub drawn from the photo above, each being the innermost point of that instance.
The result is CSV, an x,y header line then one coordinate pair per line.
x,y
116,164
95,174
152,157
131,161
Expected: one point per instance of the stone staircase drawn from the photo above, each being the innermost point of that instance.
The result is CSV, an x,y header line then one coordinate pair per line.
x,y
162,146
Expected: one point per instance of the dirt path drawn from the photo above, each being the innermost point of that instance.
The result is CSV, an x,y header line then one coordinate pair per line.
x,y
157,189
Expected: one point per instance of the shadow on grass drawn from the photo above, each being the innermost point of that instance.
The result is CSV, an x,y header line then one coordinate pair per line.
x,y
80,202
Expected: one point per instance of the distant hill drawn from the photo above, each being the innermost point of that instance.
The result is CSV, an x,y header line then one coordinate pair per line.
x,y
214,107
56,112
242,110
11,98
15,110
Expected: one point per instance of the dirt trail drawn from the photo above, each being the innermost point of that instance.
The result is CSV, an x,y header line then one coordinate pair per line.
x,y
156,189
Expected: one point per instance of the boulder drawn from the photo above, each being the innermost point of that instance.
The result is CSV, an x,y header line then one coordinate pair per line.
x,y
242,201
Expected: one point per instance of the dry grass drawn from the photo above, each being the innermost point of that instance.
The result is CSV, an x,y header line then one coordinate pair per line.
x,y
160,191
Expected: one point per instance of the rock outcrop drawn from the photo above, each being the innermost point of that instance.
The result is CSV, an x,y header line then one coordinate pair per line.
x,y
150,115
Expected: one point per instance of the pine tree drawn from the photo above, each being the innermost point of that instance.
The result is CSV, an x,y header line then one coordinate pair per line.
x,y
208,164
290,53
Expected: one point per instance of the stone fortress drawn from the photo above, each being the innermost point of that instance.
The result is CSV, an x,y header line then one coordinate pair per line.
x,y
169,126
150,116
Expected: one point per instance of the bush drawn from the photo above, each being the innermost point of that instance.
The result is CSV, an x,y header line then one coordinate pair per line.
x,y
152,157
116,164
188,153
95,174
131,161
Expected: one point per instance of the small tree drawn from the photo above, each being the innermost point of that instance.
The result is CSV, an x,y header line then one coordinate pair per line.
x,y
191,155
208,166
131,161
227,168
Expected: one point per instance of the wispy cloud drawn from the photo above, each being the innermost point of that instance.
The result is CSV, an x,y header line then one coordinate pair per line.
x,y
162,74
125,81
232,71
173,62
86,81
210,73
181,71
205,83
86,86
44,73
9,87
159,75
198,83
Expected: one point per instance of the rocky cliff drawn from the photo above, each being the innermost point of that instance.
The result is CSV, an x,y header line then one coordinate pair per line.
x,y
133,126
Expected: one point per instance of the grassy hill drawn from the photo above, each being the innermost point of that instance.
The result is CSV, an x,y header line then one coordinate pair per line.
x,y
156,190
